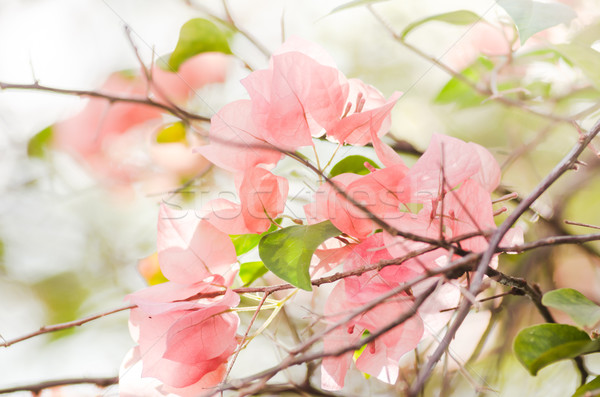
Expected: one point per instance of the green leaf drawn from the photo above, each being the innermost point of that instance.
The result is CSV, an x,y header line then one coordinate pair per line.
x,y
461,17
461,94
245,242
172,133
545,344
355,3
354,164
593,385
584,57
38,144
583,311
195,37
532,17
250,271
287,252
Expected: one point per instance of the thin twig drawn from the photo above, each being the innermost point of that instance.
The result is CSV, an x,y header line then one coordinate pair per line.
x,y
561,168
36,388
459,76
241,344
247,386
176,111
61,326
454,270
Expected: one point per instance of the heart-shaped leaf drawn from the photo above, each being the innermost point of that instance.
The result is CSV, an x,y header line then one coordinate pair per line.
x,y
287,252
541,345
583,311
195,37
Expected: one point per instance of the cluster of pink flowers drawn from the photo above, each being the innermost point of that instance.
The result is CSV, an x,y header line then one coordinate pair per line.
x,y
117,141
185,328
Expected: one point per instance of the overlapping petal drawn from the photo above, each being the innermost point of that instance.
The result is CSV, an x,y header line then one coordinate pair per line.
x,y
295,99
236,142
190,249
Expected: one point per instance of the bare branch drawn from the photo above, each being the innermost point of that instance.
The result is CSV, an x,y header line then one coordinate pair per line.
x,y
38,387
487,92
262,377
453,270
61,326
176,111
565,165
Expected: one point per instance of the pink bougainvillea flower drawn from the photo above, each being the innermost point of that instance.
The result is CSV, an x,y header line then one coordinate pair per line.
x,y
236,143
489,173
365,287
368,114
330,205
184,340
132,384
109,138
373,191
480,38
84,134
296,98
381,357
190,249
262,195
446,163
467,210
194,73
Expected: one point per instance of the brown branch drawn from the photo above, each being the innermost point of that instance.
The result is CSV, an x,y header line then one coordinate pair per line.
x,y
487,92
112,98
561,168
246,386
61,326
549,241
377,220
241,345
38,387
454,270
552,222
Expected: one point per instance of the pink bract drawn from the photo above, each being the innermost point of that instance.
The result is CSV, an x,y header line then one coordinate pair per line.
x,y
191,249
295,99
380,357
262,195
368,116
236,143
109,137
185,345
